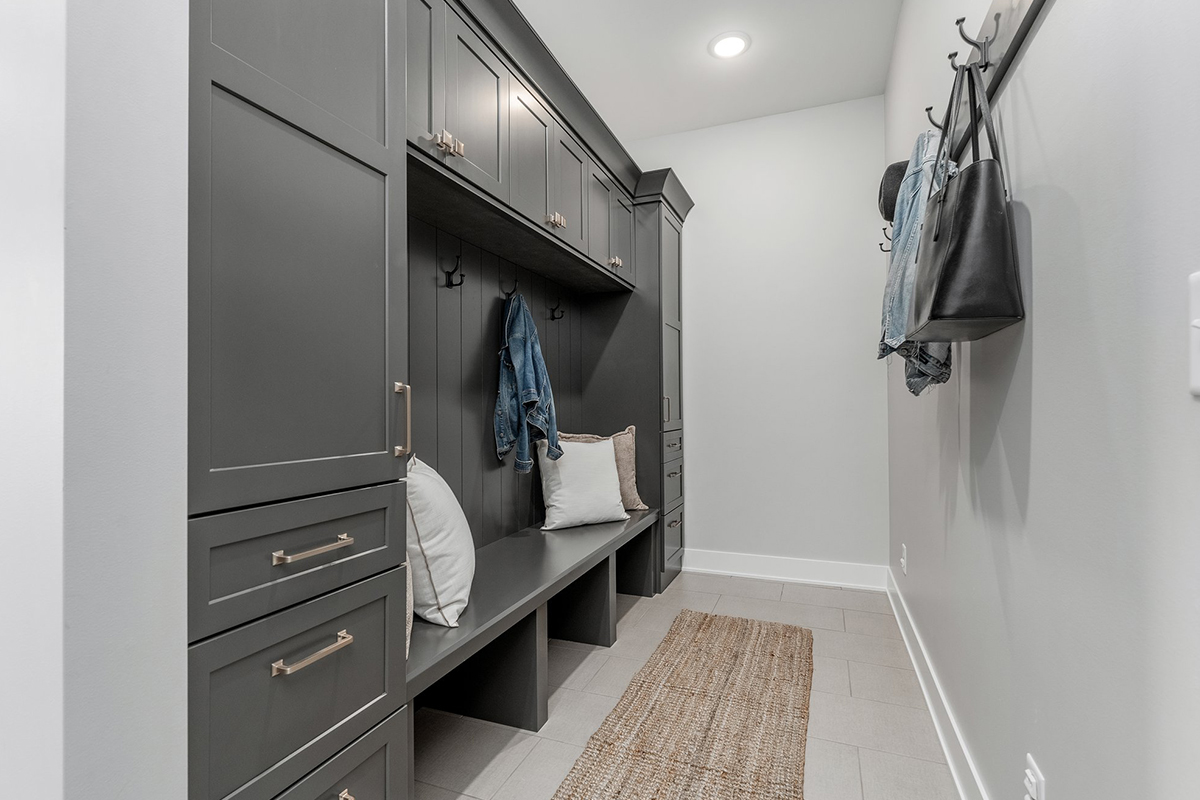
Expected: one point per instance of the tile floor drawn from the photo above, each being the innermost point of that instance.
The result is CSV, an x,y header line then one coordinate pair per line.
x,y
870,736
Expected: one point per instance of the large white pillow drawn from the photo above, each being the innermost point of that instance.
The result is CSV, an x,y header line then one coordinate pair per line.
x,y
441,552
582,487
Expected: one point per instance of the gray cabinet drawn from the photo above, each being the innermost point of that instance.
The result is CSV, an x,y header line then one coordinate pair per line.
x,y
297,263
530,151
373,768
570,190
426,59
672,321
477,108
622,236
673,536
600,201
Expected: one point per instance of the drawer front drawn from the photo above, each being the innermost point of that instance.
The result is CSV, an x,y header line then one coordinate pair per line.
x,y
672,445
273,699
673,532
672,483
246,564
373,768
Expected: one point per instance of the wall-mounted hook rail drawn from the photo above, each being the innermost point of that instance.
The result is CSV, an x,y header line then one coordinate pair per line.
x,y
508,293
450,282
932,121
555,313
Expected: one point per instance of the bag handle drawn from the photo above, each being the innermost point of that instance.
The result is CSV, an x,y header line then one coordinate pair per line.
x,y
985,111
949,122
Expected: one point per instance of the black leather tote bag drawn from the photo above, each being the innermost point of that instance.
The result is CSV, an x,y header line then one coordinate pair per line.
x,y
967,284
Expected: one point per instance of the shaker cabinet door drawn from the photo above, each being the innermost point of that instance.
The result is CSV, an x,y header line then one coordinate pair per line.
x,y
601,196
297,263
477,99
622,236
570,183
530,147
426,60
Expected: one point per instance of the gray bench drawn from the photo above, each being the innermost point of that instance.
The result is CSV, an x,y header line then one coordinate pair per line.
x,y
529,587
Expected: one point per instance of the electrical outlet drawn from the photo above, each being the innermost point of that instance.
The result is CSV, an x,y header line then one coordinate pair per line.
x,y
1035,782
904,558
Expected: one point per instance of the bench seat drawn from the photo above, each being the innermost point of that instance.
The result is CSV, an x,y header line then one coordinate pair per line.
x,y
513,578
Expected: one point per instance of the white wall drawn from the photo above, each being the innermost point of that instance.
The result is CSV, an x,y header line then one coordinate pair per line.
x,y
126,401
1048,494
785,406
32,88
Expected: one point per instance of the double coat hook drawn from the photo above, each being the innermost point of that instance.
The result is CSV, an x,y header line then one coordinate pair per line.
x,y
555,313
881,247
450,273
508,294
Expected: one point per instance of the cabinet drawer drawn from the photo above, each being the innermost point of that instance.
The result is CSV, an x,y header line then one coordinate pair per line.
x,y
672,445
672,482
373,768
246,564
271,700
673,532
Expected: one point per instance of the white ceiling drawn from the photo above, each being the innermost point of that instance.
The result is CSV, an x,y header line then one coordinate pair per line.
x,y
644,64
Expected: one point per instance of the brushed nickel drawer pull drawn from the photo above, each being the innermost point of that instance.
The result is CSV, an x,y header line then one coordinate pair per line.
x,y
343,640
459,150
345,795
675,474
406,448
676,523
279,557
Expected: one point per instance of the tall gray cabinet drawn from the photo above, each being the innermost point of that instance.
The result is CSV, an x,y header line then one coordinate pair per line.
x,y
298,399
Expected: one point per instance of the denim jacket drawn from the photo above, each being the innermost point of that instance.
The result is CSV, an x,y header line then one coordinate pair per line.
x,y
525,404
925,363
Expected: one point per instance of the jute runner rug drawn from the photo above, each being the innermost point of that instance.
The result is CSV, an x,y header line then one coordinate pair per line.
x,y
719,712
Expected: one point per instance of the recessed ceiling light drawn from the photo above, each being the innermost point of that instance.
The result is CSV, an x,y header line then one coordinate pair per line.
x,y
728,45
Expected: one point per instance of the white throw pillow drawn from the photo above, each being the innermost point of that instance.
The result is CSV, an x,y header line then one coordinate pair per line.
x,y
582,487
441,552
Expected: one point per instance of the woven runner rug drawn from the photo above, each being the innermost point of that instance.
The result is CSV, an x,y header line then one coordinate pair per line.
x,y
719,712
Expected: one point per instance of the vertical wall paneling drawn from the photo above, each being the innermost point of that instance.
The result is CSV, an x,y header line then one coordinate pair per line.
x,y
454,344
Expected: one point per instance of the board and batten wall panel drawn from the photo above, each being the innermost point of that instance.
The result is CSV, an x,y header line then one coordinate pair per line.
x,y
455,338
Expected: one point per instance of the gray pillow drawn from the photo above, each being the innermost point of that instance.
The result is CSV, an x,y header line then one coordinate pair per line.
x,y
625,449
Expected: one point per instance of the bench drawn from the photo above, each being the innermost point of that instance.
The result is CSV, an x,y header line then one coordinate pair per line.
x,y
529,587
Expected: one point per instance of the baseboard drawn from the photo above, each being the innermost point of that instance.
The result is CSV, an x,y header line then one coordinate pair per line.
x,y
781,568
962,766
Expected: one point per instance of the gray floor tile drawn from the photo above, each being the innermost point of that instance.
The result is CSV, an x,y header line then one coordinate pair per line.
x,y
856,647
871,624
630,610
540,775
573,668
613,678
726,584
877,726
637,643
775,611
465,755
682,598
837,598
831,771
885,684
575,716
831,675
891,777
657,618
591,648
427,792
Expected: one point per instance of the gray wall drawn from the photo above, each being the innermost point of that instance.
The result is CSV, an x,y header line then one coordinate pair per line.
x,y
1048,493
126,406
786,414
31,396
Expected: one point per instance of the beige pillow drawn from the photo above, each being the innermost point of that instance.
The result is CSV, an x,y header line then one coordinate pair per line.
x,y
625,448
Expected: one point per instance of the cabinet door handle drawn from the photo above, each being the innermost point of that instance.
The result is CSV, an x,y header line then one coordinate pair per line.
x,y
674,445
460,149
444,142
675,474
676,523
345,795
406,448
562,221
667,413
343,640
279,557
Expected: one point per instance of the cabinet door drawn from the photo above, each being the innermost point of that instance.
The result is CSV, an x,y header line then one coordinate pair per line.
x,y
477,97
600,201
426,59
530,147
297,249
570,184
622,235
672,266
672,400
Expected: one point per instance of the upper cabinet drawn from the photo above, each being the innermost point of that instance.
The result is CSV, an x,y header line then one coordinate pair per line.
x,y
426,56
297,259
601,195
622,236
477,87
530,149
570,190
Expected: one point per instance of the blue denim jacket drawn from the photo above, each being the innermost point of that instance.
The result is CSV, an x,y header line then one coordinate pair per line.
x,y
925,363
525,404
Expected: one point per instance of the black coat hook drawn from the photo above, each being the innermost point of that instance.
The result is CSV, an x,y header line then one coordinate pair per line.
x,y
934,122
507,293
953,63
883,249
555,313
885,234
983,47
450,282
